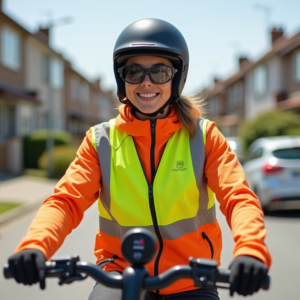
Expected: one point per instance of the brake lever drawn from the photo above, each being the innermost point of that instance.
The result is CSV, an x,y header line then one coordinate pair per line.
x,y
207,268
70,279
66,270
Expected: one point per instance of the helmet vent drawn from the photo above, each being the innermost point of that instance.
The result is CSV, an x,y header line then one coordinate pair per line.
x,y
142,44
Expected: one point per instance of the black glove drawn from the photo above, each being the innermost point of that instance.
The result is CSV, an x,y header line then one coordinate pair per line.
x,y
28,267
247,275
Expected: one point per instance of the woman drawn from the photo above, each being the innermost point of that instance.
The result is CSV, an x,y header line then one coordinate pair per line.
x,y
157,166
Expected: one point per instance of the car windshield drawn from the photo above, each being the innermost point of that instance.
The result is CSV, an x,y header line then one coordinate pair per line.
x,y
288,153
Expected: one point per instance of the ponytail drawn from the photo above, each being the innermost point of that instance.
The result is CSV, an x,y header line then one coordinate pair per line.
x,y
189,109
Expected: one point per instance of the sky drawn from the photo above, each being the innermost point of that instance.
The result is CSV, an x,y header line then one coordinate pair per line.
x,y
217,31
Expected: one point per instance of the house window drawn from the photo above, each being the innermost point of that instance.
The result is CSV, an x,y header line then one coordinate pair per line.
x,y
84,92
297,66
10,49
45,68
260,81
26,119
214,106
57,74
235,95
57,123
104,107
75,88
1,122
12,130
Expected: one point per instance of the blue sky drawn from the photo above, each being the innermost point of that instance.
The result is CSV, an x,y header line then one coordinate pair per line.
x,y
216,31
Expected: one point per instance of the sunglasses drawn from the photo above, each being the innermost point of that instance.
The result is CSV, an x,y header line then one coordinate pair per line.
x,y
158,74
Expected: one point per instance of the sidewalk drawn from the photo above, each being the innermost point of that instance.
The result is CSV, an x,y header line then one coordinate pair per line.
x,y
30,191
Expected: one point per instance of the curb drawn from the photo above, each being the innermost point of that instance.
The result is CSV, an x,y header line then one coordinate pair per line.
x,y
16,212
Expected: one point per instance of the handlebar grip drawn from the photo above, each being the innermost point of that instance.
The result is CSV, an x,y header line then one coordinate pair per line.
x,y
8,275
223,276
266,283
6,272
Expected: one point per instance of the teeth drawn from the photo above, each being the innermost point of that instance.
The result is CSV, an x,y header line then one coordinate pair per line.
x,y
148,95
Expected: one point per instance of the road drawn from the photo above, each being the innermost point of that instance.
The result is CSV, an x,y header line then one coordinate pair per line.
x,y
283,240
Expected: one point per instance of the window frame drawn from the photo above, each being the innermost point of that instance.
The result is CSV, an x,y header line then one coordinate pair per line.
x,y
256,74
56,77
296,66
75,88
10,59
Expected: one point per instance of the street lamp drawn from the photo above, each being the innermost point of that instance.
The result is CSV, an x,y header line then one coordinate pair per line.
x,y
50,139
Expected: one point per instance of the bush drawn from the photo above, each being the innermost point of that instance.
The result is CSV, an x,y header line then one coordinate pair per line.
x,y
62,157
36,143
274,123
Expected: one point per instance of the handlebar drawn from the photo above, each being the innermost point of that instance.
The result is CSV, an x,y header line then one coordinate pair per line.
x,y
204,273
135,279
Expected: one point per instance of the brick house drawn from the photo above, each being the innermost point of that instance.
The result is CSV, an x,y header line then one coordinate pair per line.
x,y
18,103
36,85
87,104
272,82
289,99
226,100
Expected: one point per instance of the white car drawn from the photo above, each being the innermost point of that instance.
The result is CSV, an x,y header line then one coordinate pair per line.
x,y
272,169
236,145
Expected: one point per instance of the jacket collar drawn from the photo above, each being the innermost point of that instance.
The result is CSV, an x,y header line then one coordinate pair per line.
x,y
128,123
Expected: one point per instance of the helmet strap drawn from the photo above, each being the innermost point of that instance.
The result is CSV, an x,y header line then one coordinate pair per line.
x,y
154,114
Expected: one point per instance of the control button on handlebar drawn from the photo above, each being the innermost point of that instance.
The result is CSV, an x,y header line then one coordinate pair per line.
x,y
139,246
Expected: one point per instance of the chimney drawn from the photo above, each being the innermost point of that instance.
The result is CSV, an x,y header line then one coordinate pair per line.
x,y
97,83
242,60
216,80
276,33
43,34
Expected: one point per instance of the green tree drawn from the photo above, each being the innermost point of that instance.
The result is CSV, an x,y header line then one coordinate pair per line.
x,y
273,123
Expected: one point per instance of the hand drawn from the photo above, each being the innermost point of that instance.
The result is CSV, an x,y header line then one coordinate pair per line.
x,y
28,267
247,275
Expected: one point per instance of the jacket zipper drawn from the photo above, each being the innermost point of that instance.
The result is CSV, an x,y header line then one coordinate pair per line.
x,y
205,237
151,198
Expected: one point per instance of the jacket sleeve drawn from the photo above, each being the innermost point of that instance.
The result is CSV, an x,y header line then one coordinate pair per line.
x,y
241,207
60,213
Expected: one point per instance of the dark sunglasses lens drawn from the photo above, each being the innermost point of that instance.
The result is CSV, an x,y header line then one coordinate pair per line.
x,y
132,74
161,74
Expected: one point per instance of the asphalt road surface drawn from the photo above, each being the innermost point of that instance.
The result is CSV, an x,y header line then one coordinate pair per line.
x,y
283,241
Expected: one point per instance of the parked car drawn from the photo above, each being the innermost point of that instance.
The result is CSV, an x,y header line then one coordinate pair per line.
x,y
236,145
272,169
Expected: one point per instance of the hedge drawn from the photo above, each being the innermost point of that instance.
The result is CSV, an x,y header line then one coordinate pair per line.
x,y
62,157
36,143
273,123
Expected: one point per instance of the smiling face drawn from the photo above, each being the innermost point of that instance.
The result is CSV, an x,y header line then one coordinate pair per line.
x,y
147,96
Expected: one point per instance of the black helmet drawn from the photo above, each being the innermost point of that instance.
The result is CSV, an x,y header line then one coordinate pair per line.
x,y
152,37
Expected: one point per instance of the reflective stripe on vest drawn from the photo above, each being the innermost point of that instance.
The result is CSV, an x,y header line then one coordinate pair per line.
x,y
183,202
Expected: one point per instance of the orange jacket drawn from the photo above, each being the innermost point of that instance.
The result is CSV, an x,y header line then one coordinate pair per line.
x,y
79,189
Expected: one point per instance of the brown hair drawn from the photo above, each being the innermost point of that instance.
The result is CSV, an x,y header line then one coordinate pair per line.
x,y
189,109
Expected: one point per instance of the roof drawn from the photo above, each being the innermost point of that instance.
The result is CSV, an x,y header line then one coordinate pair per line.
x,y
281,47
290,45
289,103
18,92
80,115
222,85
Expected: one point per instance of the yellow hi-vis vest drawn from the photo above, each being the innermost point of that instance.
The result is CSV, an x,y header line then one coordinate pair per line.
x,y
179,196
